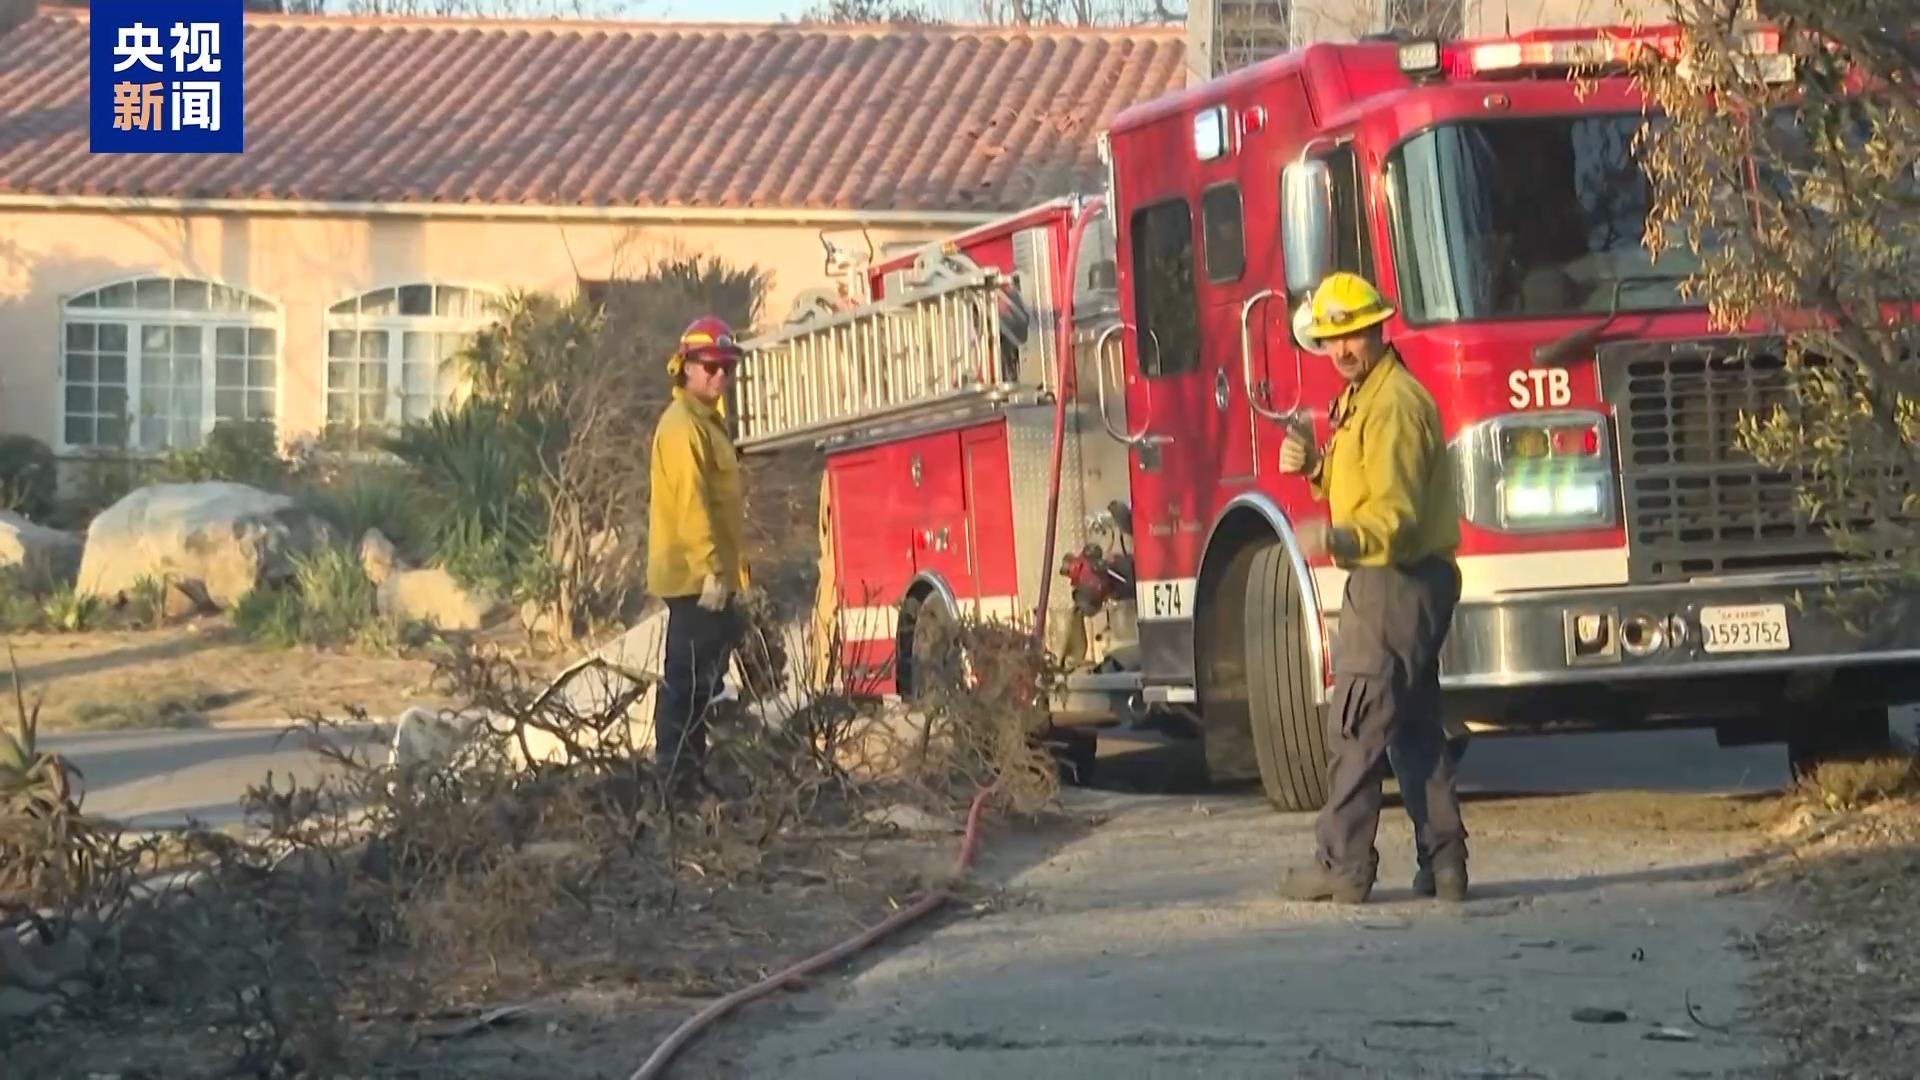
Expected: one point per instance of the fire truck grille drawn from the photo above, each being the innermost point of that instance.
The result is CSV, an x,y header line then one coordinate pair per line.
x,y
1696,503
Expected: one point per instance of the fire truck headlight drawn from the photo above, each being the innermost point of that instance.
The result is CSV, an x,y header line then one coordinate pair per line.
x,y
1420,57
1536,472
1569,501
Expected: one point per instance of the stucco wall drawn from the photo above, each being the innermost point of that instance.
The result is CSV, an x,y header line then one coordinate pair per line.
x,y
306,264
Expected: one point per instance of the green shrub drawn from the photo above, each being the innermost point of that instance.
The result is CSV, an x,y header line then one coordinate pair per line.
x,y
336,599
476,559
69,611
240,451
19,608
476,467
329,602
270,617
379,497
101,479
147,601
29,481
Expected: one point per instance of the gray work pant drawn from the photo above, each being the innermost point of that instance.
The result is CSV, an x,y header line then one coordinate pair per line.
x,y
700,645
1386,697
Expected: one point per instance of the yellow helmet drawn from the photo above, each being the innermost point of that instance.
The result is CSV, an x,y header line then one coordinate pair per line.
x,y
1346,303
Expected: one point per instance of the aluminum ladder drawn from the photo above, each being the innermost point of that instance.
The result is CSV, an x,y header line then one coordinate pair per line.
x,y
925,351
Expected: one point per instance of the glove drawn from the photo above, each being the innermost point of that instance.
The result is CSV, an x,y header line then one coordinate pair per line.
x,y
1312,534
713,594
1318,537
1297,452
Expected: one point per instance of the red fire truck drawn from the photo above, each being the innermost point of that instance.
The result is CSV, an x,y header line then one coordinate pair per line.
x,y
1070,418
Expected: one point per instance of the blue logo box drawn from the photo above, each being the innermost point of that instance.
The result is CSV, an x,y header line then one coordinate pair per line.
x,y
166,77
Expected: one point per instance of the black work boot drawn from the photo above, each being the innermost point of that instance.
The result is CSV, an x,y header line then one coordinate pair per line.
x,y
1318,883
1423,881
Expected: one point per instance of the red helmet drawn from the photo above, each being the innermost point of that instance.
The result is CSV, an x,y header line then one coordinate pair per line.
x,y
707,338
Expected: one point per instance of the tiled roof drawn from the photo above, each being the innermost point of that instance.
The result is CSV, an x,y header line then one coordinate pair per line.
x,y
613,114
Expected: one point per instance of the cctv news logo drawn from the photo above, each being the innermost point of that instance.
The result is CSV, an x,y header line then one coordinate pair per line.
x,y
164,77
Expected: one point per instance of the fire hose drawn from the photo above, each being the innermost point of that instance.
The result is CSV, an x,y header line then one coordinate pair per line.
x,y
656,1064
1062,378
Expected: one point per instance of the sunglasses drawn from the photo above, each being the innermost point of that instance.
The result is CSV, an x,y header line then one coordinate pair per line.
x,y
713,367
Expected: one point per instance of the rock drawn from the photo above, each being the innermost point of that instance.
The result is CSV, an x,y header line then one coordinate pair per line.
x,y
170,886
561,851
62,959
428,740
38,558
889,743
641,650
378,557
433,596
217,539
30,964
18,1004
536,619
907,819
186,598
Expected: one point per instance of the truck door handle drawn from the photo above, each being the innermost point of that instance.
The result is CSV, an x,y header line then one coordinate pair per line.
x,y
1246,365
1100,381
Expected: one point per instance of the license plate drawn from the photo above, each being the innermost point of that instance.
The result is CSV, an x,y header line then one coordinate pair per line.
x,y
1748,628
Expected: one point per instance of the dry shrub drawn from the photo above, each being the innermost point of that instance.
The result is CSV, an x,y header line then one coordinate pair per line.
x,y
482,869
53,858
1851,785
978,717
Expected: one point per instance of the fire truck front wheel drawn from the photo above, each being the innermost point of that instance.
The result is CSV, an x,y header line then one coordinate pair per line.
x,y
1257,679
1289,735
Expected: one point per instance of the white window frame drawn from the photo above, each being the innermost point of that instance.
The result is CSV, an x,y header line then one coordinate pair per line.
x,y
135,319
396,327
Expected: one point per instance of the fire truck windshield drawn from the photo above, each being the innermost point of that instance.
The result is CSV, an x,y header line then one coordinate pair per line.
x,y
1526,217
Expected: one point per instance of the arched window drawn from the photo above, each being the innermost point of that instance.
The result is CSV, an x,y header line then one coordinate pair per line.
x,y
154,363
387,351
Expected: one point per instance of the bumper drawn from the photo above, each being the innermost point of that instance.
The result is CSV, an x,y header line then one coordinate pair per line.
x,y
1693,630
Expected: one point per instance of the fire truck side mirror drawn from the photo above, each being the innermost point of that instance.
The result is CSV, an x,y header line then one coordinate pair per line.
x,y
1306,227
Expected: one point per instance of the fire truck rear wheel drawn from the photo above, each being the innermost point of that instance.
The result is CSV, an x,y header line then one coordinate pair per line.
x,y
1839,734
929,644
1289,734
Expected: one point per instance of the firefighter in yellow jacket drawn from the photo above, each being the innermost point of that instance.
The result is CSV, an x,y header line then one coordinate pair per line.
x,y
695,563
1394,525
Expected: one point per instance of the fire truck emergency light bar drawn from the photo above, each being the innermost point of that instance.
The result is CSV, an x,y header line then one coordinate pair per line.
x,y
1559,51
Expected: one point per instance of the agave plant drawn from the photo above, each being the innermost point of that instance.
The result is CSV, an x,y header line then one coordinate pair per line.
x,y
31,782
48,849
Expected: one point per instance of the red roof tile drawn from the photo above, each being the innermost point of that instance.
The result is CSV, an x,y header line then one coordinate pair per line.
x,y
599,114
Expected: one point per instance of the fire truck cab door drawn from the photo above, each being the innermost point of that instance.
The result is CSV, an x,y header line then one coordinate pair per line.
x,y
1182,394
1269,366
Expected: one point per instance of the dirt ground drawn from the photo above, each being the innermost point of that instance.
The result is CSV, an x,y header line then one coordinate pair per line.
x,y
205,673
596,1006
599,996
1736,937
1840,982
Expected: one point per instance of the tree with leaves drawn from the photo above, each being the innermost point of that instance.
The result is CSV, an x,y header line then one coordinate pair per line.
x,y
545,459
1793,179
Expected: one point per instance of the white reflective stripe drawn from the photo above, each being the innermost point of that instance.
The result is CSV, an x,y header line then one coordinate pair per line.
x,y
1482,576
1005,609
869,623
882,622
1165,599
